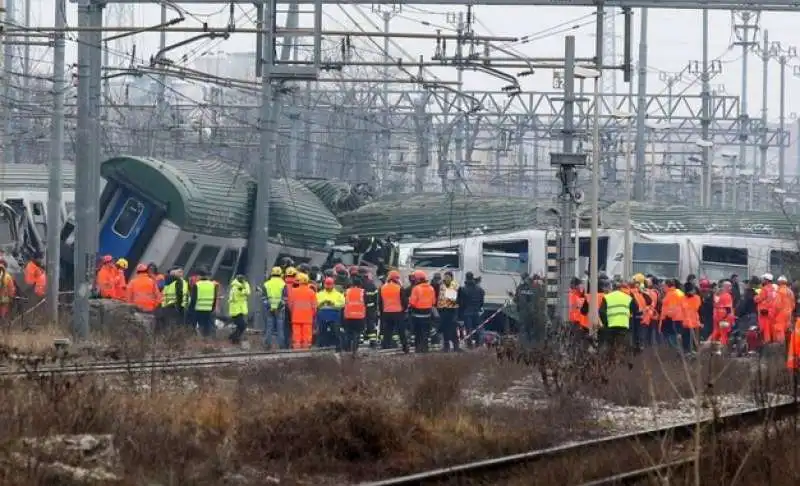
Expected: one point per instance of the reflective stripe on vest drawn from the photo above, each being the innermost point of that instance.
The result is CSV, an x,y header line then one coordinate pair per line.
x,y
354,306
618,309
206,290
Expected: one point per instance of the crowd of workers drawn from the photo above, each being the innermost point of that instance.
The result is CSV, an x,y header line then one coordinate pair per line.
x,y
647,311
303,306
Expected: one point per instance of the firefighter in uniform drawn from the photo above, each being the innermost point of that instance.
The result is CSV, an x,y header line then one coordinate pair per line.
x,y
392,305
371,300
421,304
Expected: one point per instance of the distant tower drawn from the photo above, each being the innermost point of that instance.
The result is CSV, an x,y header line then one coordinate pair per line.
x,y
610,51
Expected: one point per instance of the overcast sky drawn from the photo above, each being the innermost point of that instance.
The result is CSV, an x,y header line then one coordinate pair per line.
x,y
675,38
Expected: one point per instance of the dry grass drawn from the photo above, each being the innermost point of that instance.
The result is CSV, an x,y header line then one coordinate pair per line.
x,y
320,419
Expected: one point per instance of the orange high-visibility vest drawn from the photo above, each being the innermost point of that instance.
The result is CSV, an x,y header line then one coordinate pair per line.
x,y
354,305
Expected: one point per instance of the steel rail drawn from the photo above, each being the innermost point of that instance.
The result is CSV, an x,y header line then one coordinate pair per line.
x,y
176,364
680,432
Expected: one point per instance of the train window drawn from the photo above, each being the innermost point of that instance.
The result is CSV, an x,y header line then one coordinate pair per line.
x,y
296,259
782,262
661,259
436,258
128,217
37,209
505,256
227,266
185,254
206,258
720,262
70,207
6,229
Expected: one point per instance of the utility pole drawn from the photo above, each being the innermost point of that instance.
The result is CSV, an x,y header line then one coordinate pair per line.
x,y
56,157
744,22
25,123
705,121
765,56
641,112
785,55
274,70
566,163
423,154
387,133
9,92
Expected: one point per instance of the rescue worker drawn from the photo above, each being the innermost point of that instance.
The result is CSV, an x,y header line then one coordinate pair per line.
x,y
36,277
447,306
355,314
341,278
143,291
690,331
525,299
290,278
724,316
274,301
159,278
602,290
793,355
238,295
202,302
671,312
707,296
420,306
330,304
120,287
392,304
472,301
765,300
106,278
371,300
175,298
302,305
651,331
577,296
641,300
616,311
8,290
784,308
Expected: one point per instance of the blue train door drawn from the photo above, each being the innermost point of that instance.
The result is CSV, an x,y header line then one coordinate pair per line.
x,y
121,230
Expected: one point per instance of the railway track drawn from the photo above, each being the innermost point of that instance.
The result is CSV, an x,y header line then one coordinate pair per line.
x,y
216,360
505,465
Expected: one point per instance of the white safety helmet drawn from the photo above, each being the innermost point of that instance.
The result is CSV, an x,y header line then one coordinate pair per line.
x,y
782,279
767,276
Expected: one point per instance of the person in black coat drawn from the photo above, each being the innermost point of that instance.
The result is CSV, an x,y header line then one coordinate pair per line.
x,y
471,300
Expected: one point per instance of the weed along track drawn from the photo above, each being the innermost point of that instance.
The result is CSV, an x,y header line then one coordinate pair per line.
x,y
621,459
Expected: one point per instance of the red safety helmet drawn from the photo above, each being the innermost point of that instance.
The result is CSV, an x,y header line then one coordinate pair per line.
x,y
705,284
141,268
420,276
393,276
328,283
354,270
339,268
108,259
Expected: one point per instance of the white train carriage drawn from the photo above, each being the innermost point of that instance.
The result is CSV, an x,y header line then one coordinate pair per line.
x,y
713,255
500,258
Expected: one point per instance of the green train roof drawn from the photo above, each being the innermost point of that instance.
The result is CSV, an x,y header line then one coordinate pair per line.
x,y
441,215
649,218
214,198
34,176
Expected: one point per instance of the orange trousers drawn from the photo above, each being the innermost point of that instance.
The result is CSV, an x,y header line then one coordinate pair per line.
x,y
780,326
301,335
720,334
5,310
766,324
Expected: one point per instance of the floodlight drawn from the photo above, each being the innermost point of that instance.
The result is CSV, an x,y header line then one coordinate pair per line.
x,y
789,200
778,190
729,155
704,143
623,115
654,125
746,172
